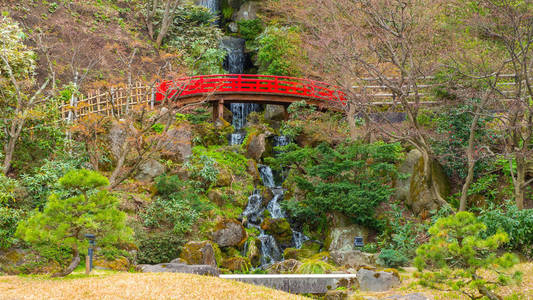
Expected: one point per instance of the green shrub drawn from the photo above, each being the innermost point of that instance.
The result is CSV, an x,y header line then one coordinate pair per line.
x,y
158,247
352,178
279,50
9,219
250,30
518,224
392,258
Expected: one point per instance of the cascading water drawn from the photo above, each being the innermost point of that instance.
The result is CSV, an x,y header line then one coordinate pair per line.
x,y
271,252
212,5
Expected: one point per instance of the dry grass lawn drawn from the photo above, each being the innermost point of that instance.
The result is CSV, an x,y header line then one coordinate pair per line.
x,y
135,286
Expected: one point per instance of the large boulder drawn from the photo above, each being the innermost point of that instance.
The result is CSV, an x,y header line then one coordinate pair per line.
x,y
287,266
149,170
415,190
280,229
256,146
353,258
177,144
343,232
229,232
247,11
117,137
377,281
180,268
199,253
216,196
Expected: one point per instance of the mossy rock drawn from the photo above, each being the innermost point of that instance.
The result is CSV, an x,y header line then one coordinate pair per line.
x,y
237,264
223,178
217,196
297,254
228,252
118,264
280,229
253,252
288,266
313,246
229,232
200,253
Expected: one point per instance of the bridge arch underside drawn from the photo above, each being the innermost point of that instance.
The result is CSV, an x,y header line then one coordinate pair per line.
x,y
219,99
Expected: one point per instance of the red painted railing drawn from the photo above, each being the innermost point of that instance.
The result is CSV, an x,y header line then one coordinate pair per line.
x,y
250,84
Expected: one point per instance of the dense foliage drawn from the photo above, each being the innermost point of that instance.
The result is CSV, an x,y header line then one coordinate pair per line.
x,y
279,51
175,210
352,178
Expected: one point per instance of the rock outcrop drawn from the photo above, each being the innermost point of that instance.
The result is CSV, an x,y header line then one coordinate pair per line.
x,y
236,264
287,266
417,192
177,144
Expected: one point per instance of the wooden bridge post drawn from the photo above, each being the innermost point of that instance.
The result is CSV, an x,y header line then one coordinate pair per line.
x,y
218,110
285,113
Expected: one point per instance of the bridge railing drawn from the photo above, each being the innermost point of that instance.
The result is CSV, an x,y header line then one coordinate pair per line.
x,y
254,84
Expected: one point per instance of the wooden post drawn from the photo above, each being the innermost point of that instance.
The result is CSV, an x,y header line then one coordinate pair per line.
x,y
87,265
285,112
221,109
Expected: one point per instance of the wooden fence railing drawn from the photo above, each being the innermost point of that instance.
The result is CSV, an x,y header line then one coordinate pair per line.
x,y
114,101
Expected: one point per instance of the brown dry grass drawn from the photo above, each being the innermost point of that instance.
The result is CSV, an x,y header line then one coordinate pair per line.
x,y
135,286
524,290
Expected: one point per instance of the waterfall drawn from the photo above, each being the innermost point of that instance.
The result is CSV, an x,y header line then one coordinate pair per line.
x,y
254,210
270,252
212,5
234,62
274,207
265,172
299,239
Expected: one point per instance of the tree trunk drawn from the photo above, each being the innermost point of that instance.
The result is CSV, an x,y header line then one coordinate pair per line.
x,y
351,120
483,290
519,187
73,264
9,149
470,158
165,23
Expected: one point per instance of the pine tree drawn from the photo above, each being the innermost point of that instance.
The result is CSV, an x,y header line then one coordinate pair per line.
x,y
456,256
65,220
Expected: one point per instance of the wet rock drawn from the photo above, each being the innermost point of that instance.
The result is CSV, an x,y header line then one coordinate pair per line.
x,y
353,258
280,229
233,27
229,232
180,268
415,190
336,295
236,264
287,266
199,253
343,233
377,281
177,144
251,168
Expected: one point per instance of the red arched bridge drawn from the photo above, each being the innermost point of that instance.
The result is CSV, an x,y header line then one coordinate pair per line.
x,y
262,89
